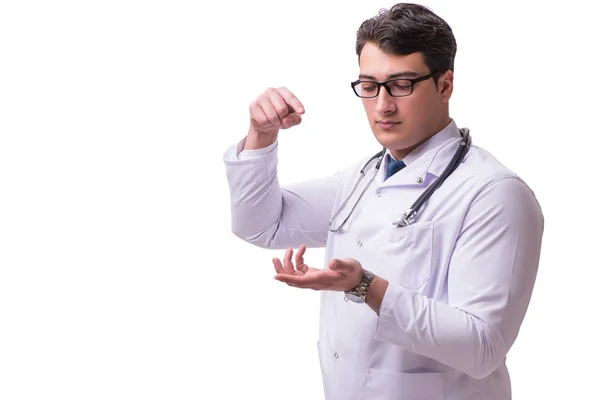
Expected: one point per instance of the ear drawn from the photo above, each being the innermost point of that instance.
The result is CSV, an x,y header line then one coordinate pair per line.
x,y
446,85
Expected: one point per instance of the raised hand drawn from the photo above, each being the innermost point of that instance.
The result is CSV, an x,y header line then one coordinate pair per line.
x,y
341,275
275,109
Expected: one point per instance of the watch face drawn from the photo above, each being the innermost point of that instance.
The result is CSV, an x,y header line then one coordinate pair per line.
x,y
353,298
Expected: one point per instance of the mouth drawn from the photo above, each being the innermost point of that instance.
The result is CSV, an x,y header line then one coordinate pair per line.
x,y
387,124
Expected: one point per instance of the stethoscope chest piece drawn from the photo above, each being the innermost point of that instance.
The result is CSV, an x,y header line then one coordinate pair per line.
x,y
405,219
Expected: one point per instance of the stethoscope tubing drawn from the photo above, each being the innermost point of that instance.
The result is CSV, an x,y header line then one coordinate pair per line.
x,y
409,215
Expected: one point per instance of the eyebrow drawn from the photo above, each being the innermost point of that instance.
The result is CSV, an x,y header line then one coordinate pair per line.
x,y
404,74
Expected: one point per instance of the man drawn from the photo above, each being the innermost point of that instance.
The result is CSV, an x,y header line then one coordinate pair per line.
x,y
436,303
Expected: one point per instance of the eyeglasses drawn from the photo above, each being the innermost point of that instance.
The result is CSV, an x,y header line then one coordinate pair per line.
x,y
395,87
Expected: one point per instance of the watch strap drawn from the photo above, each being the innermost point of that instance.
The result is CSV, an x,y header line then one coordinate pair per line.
x,y
362,288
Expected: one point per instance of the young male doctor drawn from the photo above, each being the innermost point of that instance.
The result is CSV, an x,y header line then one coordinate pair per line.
x,y
426,310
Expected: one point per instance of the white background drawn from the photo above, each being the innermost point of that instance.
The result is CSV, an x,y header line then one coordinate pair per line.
x,y
119,276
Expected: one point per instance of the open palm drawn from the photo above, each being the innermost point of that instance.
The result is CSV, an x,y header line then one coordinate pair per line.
x,y
341,274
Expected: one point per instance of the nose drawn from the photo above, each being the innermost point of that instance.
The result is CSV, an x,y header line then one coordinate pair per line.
x,y
385,102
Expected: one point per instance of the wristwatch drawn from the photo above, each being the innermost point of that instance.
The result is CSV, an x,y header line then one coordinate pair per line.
x,y
359,293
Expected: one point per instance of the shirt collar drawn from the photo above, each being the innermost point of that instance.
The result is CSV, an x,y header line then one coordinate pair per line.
x,y
429,158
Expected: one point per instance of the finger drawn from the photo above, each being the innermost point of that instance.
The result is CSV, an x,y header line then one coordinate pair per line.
x,y
312,281
339,265
292,280
279,105
300,266
288,267
258,116
303,268
277,265
334,264
291,100
300,255
291,120
272,116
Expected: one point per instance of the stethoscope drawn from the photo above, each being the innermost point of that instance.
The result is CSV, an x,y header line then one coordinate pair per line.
x,y
408,217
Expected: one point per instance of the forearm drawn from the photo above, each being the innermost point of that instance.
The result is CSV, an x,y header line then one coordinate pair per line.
x,y
268,216
256,198
376,292
255,141
437,330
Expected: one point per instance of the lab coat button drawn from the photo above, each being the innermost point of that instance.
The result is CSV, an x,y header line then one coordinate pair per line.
x,y
378,194
359,243
336,355
419,180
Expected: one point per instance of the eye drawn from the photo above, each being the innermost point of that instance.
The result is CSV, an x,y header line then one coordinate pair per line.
x,y
400,86
368,87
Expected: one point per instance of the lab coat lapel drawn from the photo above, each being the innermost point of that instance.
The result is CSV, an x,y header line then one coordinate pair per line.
x,y
425,162
411,175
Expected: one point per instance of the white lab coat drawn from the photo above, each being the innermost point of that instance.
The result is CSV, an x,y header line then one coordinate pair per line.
x,y
460,278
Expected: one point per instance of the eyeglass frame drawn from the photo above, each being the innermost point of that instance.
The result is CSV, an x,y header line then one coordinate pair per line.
x,y
412,81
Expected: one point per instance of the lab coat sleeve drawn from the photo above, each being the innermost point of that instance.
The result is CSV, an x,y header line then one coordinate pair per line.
x,y
490,281
266,215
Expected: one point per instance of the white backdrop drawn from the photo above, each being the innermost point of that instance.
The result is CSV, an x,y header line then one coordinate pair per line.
x,y
119,276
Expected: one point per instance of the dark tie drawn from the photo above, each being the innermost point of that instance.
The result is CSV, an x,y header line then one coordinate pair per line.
x,y
393,166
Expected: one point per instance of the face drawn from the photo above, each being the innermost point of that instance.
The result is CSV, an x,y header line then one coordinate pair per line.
x,y
402,123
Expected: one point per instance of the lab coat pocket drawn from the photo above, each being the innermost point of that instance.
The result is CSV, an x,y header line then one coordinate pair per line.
x,y
408,254
389,385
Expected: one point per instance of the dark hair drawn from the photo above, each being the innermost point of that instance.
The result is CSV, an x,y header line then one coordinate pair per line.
x,y
409,28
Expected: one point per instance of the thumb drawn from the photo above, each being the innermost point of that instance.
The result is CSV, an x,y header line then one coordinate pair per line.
x,y
336,264
291,120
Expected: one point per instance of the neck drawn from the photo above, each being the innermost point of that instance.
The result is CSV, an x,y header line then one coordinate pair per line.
x,y
399,154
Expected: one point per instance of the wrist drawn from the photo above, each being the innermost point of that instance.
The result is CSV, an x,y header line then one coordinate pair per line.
x,y
358,279
256,140
358,294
